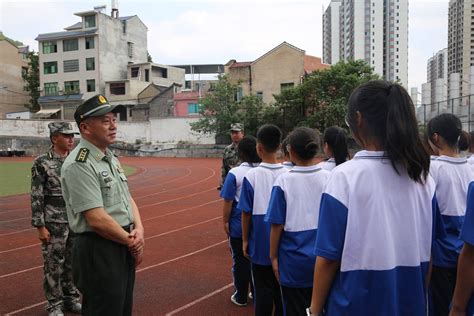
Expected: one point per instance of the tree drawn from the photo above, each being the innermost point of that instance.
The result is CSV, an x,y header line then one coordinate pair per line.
x,y
31,78
148,57
321,101
221,108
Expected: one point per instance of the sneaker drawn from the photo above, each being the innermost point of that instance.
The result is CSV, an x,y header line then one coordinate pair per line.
x,y
73,307
56,312
233,299
250,295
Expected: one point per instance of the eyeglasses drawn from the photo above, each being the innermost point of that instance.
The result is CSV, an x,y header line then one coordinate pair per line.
x,y
346,120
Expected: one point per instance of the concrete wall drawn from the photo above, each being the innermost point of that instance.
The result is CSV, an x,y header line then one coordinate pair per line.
x,y
155,131
11,65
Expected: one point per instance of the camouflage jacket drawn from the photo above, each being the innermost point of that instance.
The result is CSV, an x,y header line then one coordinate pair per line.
x,y
47,203
230,160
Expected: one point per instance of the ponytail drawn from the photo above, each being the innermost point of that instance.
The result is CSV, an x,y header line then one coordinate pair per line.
x,y
304,142
335,138
448,126
463,143
389,116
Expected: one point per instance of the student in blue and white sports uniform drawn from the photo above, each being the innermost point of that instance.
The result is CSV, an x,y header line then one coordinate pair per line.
x,y
286,155
254,198
232,217
335,148
293,212
377,213
452,175
463,300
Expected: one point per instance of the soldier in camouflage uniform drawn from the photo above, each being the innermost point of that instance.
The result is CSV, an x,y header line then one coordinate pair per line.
x,y
230,158
49,217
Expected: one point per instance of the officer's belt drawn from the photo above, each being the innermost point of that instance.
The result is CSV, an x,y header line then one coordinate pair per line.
x,y
127,228
54,200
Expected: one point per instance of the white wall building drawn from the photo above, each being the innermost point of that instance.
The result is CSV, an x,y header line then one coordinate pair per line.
x,y
437,78
77,63
375,31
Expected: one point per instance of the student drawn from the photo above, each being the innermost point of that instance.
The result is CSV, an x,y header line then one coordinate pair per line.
x,y
463,300
253,202
335,148
470,159
452,175
377,213
232,217
293,212
286,155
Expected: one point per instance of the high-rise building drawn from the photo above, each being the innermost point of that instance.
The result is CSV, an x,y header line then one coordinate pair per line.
x,y
375,31
460,37
437,76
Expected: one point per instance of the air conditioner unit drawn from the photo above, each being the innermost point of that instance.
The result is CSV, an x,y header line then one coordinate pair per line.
x,y
40,89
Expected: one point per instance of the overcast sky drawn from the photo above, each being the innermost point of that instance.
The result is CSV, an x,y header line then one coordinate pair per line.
x,y
215,31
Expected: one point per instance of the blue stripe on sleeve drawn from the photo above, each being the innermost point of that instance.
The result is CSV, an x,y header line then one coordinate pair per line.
x,y
467,233
276,212
246,197
229,188
438,227
331,228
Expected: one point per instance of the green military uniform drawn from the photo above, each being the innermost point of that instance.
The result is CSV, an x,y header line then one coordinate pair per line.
x,y
104,270
92,179
48,210
230,159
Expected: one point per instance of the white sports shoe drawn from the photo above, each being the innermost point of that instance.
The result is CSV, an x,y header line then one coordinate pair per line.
x,y
234,300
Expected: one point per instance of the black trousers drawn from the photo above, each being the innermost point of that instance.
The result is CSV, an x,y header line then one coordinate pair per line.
x,y
296,300
240,270
443,282
104,272
267,293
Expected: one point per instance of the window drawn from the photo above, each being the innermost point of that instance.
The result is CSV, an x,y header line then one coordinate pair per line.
x,y
89,21
50,67
193,108
130,49
239,94
89,42
71,65
90,85
90,63
50,88
147,75
24,71
70,45
285,86
124,27
134,71
50,47
117,88
259,95
71,87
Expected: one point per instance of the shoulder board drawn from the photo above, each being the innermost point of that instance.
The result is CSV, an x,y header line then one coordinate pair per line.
x,y
82,155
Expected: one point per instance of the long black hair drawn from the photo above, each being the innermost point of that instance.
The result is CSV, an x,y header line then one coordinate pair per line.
x,y
389,116
335,137
446,125
305,142
247,149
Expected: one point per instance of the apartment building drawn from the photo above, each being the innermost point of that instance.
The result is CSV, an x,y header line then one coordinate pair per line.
x,y
375,31
436,88
13,62
282,67
77,63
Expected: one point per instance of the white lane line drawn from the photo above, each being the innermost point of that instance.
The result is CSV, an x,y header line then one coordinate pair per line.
x,y
185,227
16,219
179,211
177,199
183,256
18,272
140,270
20,248
26,308
205,297
16,232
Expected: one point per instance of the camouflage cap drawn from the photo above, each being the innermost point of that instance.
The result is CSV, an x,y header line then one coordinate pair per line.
x,y
236,127
95,106
61,127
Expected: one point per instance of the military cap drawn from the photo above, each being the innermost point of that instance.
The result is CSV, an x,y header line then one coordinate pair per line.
x,y
61,127
236,127
95,106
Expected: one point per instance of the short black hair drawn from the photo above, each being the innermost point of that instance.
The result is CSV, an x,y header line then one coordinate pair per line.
x,y
446,125
247,149
284,143
269,136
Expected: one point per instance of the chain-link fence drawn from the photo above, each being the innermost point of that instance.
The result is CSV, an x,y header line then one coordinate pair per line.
x,y
462,107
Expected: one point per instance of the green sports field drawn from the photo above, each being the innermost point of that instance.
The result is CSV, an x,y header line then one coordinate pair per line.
x,y
15,177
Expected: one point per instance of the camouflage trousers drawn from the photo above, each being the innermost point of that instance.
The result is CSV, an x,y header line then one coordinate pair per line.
x,y
58,283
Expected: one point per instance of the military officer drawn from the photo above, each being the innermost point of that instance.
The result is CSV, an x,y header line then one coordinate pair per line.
x,y
50,219
230,157
110,235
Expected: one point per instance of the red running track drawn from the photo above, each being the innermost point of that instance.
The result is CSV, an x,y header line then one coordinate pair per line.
x,y
187,260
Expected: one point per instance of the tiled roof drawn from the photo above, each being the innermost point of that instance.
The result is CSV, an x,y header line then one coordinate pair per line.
x,y
312,63
24,49
76,26
241,64
61,35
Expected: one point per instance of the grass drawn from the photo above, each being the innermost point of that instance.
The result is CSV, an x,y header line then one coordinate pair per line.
x,y
15,177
